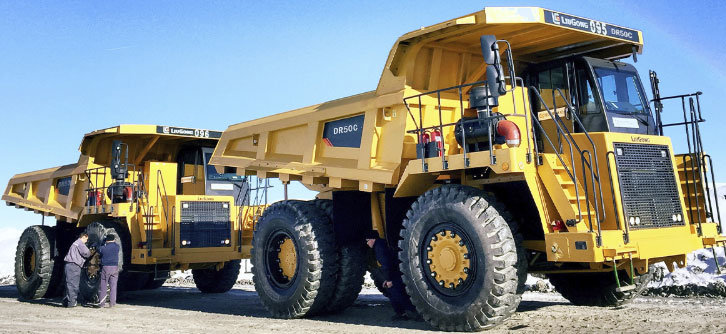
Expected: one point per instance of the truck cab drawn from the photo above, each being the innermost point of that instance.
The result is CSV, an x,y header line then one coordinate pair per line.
x,y
608,96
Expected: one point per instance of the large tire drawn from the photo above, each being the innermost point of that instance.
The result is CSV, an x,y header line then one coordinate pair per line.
x,y
598,289
476,286
352,271
91,271
35,276
313,265
153,284
211,280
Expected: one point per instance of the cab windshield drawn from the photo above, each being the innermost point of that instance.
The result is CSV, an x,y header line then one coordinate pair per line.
x,y
621,91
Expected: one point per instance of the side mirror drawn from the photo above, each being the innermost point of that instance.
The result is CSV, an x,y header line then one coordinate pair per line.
x,y
494,71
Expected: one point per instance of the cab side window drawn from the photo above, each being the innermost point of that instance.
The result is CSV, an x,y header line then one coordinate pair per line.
x,y
588,105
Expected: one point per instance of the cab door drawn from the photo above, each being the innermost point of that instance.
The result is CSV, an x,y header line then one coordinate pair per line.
x,y
587,100
191,172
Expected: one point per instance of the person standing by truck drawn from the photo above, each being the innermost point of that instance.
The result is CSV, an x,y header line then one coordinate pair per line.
x,y
77,255
109,272
400,301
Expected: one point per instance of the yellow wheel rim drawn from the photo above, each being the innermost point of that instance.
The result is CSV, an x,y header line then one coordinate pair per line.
x,y
448,259
288,258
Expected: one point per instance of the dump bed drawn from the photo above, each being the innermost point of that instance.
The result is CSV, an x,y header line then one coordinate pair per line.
x,y
61,191
361,142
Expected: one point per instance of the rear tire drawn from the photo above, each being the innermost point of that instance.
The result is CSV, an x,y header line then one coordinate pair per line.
x,y
35,274
352,271
476,285
211,280
598,289
153,284
299,283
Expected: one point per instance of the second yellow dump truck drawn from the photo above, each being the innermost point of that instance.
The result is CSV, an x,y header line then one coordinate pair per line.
x,y
151,187
508,141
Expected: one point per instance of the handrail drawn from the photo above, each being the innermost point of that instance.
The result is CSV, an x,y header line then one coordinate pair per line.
x,y
594,151
715,192
696,166
586,158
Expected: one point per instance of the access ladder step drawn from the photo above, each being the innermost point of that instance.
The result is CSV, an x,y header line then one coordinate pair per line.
x,y
626,288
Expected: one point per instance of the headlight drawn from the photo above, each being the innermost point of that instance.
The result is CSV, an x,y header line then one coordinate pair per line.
x,y
637,220
680,218
631,221
226,242
184,242
675,218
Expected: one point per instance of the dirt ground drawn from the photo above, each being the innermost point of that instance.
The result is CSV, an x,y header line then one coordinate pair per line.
x,y
174,309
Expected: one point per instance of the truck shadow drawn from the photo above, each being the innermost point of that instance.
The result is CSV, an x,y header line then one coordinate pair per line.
x,y
370,309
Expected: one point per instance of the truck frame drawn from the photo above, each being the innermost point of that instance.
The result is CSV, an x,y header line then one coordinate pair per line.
x,y
503,142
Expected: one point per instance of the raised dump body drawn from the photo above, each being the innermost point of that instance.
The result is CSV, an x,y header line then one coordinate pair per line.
x,y
150,186
499,143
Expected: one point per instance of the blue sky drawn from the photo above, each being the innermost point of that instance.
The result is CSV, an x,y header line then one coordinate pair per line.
x,y
67,68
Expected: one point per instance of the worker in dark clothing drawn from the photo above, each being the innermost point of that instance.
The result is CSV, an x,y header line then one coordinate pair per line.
x,y
77,255
400,301
109,272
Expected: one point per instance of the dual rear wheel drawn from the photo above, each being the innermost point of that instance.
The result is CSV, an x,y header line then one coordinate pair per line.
x,y
299,269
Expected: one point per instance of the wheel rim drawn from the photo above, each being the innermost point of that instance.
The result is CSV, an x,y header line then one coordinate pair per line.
x,y
449,259
29,262
288,258
281,261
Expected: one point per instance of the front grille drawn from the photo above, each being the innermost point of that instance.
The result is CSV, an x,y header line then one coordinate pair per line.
x,y
647,184
204,224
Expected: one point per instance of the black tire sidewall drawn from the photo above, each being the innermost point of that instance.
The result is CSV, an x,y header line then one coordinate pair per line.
x,y
492,297
430,217
97,233
36,285
279,220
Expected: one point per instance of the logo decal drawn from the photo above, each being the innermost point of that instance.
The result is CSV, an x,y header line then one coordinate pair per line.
x,y
639,139
346,132
556,18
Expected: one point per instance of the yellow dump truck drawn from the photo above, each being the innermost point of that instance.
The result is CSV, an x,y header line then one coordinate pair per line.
x,y
508,141
153,189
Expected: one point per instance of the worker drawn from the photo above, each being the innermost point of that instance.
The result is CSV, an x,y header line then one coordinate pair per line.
x,y
77,255
400,301
109,272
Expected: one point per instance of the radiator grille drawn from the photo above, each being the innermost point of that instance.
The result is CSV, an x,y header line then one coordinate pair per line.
x,y
204,224
647,184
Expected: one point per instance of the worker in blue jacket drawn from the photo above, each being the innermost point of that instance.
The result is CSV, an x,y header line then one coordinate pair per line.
x,y
109,271
400,301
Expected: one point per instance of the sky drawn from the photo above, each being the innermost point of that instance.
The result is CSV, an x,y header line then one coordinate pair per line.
x,y
71,67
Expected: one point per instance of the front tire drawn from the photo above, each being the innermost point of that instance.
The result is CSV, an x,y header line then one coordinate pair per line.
x,y
211,280
598,289
35,276
459,260
294,259
91,271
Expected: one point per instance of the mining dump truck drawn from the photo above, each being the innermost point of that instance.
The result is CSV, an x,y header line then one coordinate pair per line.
x,y
505,142
153,189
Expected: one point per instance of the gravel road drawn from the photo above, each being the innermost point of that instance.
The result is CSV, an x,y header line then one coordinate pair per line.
x,y
182,309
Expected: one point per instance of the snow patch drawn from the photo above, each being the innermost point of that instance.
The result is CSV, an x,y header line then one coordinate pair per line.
x,y
700,276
